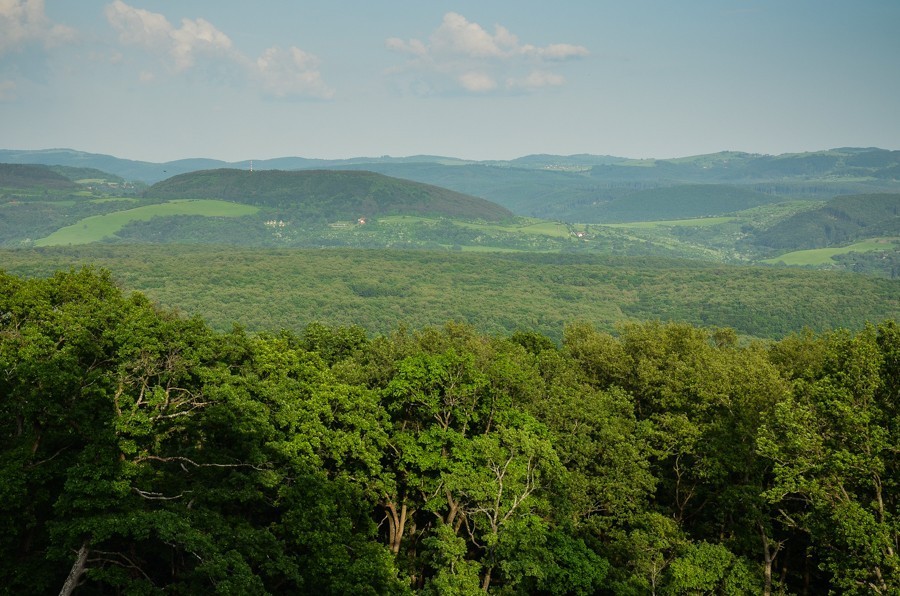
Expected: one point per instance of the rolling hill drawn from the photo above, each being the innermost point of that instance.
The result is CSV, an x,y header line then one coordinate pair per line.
x,y
83,175
33,178
525,191
316,202
576,188
841,220
327,194
676,202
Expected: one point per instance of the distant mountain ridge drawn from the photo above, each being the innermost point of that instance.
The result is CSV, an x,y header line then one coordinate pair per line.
x,y
151,172
725,165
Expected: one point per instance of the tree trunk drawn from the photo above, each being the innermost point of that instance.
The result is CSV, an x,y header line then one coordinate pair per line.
x,y
487,579
396,525
806,575
77,570
454,507
767,570
770,551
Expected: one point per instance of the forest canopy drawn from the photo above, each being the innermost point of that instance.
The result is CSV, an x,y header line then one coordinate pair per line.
x,y
143,452
380,290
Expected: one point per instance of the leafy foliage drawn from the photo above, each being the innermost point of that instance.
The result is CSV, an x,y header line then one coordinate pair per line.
x,y
143,452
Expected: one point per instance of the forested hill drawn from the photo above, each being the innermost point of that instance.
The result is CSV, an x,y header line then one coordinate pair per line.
x,y
676,202
842,219
328,194
23,176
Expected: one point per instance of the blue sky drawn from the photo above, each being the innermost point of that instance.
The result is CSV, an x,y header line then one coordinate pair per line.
x,y
165,79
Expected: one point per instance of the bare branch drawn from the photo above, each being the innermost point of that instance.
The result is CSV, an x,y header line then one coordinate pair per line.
x,y
156,496
185,460
43,461
128,564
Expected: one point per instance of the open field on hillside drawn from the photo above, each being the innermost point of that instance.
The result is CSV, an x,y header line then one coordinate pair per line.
x,y
697,222
114,199
529,226
98,227
822,256
492,249
520,226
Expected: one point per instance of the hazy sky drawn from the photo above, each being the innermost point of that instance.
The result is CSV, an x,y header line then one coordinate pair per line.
x,y
496,79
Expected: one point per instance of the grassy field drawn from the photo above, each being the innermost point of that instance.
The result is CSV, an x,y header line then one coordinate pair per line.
x,y
490,249
699,222
537,227
98,227
114,199
822,256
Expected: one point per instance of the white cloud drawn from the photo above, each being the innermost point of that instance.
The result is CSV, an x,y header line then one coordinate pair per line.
x,y
477,82
461,54
291,73
23,22
152,30
282,73
194,36
456,35
138,26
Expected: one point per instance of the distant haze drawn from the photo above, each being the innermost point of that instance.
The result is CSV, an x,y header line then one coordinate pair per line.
x,y
161,81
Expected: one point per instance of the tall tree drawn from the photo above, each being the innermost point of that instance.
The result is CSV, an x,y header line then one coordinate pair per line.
x,y
833,443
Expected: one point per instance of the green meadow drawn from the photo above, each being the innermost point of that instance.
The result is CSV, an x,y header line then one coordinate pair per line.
x,y
99,227
698,222
822,256
522,225
114,199
491,249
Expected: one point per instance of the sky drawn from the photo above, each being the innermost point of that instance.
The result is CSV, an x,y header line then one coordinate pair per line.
x,y
159,80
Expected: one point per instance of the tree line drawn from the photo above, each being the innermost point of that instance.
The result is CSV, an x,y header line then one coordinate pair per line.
x,y
143,452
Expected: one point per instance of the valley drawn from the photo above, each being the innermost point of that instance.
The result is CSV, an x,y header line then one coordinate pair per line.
x,y
247,247
333,208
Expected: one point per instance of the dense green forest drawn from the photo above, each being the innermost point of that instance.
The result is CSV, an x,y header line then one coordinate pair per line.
x,y
142,452
496,292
